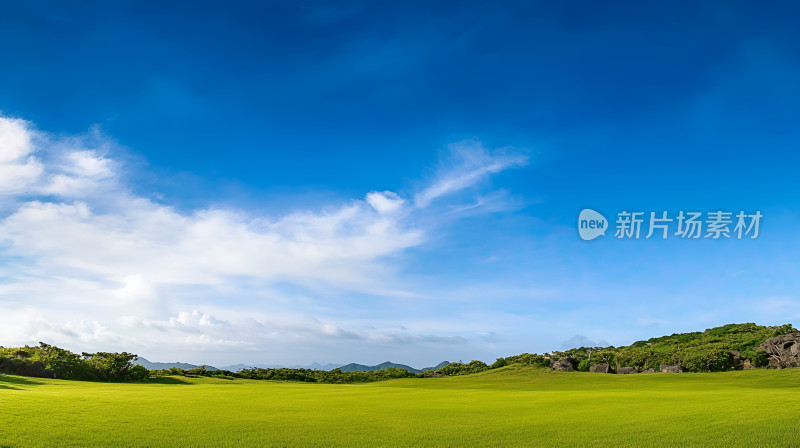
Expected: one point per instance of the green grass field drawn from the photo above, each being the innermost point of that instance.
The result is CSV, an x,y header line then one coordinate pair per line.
x,y
508,407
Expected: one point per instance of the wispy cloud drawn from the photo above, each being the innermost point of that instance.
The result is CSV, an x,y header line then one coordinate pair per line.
x,y
468,163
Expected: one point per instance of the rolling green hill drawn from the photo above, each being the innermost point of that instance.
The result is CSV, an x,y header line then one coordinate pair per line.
x,y
516,401
505,407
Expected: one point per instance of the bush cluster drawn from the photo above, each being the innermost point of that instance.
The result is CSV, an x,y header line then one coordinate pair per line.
x,y
712,350
50,361
335,376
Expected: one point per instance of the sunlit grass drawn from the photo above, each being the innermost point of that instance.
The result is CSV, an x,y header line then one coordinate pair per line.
x,y
508,407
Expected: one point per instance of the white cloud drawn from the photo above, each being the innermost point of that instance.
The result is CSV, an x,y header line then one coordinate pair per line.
x,y
82,173
157,243
15,140
385,202
87,261
18,168
86,332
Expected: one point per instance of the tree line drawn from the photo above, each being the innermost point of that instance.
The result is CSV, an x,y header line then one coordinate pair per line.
x,y
50,361
335,376
716,349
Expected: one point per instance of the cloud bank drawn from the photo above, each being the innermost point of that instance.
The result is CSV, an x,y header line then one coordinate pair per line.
x,y
87,261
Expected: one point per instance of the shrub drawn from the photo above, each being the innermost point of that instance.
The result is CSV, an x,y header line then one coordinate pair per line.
x,y
457,368
500,362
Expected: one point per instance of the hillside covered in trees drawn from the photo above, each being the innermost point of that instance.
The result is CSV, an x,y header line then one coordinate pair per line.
x,y
728,347
714,350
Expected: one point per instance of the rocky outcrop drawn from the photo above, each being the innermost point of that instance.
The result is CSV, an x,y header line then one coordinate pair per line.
x,y
601,368
648,371
565,364
626,370
736,359
783,351
671,368
747,365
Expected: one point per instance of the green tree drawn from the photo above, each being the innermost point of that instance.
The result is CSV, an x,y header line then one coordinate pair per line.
x,y
111,366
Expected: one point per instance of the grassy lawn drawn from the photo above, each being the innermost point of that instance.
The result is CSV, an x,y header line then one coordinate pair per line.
x,y
508,407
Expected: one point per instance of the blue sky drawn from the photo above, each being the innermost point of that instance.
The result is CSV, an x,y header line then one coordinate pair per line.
x,y
292,182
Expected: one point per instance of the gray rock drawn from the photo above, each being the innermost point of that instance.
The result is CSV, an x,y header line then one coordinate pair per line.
x,y
565,364
626,370
648,371
601,368
783,351
671,369
736,359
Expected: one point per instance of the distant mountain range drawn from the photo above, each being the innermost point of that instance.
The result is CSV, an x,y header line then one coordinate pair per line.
x,y
385,365
168,365
352,367
313,366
